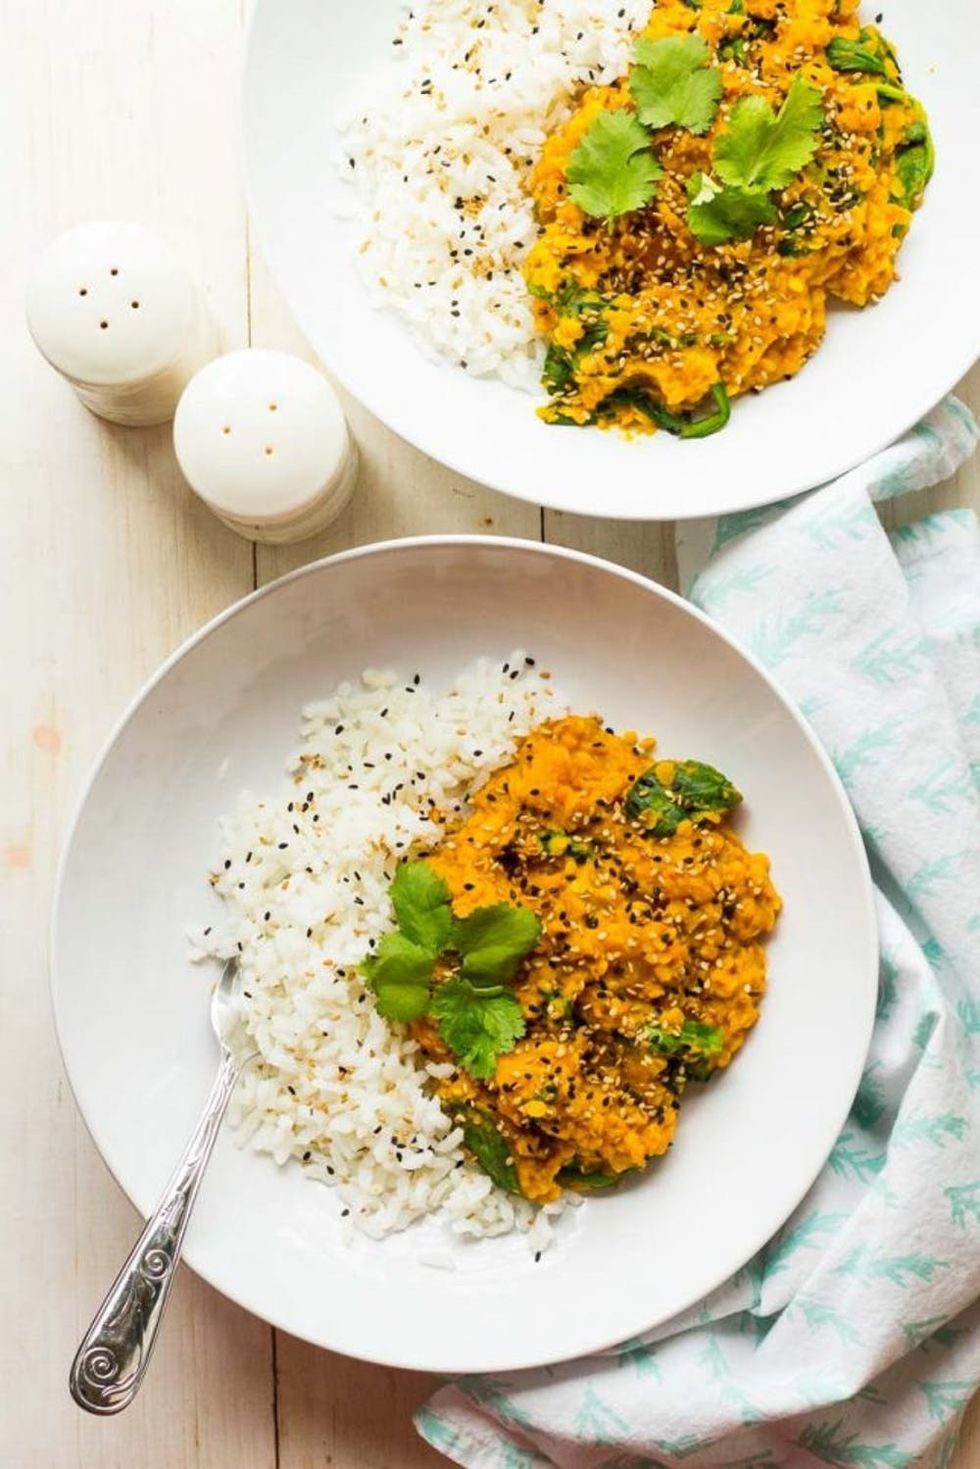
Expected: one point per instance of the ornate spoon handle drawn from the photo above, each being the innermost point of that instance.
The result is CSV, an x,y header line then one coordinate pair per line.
x,y
111,1362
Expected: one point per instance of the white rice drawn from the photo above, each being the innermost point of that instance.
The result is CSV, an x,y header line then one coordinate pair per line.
x,y
438,144
305,878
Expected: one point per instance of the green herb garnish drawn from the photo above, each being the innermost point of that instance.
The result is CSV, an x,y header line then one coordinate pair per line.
x,y
399,973
612,171
759,152
421,900
477,1015
693,790
477,1025
763,150
672,83
493,941
717,214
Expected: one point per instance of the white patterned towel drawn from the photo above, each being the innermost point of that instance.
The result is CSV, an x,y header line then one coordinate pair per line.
x,y
854,1338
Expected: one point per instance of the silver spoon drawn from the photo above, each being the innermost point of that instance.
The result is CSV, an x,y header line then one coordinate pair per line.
x,y
111,1362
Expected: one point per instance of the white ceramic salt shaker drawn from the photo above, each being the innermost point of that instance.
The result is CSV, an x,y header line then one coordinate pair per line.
x,y
113,310
261,437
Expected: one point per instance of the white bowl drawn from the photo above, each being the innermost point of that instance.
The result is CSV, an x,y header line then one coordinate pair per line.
x,y
878,371
132,1012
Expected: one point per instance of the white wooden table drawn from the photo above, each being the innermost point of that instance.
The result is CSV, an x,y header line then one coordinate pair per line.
x,y
129,108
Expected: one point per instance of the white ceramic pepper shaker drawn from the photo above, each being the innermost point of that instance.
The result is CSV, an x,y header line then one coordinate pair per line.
x,y
113,310
261,437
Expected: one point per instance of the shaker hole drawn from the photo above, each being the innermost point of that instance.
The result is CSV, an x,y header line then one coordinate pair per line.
x,y
114,270
268,448
83,290
273,407
226,429
135,305
103,325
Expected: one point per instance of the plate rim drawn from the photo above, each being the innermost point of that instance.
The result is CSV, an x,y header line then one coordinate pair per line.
x,y
402,423
868,962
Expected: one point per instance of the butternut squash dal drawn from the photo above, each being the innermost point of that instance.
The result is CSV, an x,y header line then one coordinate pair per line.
x,y
758,158
581,947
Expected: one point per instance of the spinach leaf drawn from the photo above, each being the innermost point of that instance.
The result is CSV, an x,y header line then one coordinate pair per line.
x,y
490,1149
694,1038
846,56
675,791
560,844
683,425
700,787
652,800
558,371
575,1177
915,161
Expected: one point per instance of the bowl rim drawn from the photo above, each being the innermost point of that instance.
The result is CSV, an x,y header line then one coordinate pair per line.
x,y
869,961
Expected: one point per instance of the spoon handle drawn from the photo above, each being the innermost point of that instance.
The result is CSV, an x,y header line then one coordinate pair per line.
x,y
111,1362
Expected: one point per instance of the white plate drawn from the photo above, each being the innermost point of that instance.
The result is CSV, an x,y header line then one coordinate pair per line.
x,y
877,372
132,1012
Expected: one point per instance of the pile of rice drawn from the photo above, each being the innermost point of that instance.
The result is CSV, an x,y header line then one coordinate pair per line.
x,y
305,877
437,145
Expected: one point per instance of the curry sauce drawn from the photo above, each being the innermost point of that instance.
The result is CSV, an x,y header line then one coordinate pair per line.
x,y
648,326
650,967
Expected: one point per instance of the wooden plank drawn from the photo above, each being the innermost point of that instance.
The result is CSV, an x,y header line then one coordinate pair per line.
x,y
648,549
106,562
346,1414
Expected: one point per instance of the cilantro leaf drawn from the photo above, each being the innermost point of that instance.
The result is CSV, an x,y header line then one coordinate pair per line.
x,y
421,900
494,940
717,214
476,1026
612,171
399,973
672,83
762,150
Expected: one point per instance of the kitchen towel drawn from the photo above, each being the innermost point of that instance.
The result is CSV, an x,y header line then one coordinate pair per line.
x,y
853,1339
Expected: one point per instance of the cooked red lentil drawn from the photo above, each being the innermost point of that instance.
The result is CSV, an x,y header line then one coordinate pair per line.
x,y
650,966
649,326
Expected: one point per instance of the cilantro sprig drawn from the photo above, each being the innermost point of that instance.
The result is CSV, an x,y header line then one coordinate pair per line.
x,y
477,1015
760,149
672,83
758,153
717,214
612,171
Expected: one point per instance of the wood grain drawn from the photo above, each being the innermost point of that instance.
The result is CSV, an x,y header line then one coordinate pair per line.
x,y
129,108
106,562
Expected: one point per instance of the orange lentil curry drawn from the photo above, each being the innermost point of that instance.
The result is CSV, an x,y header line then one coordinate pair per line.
x,y
649,967
652,320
